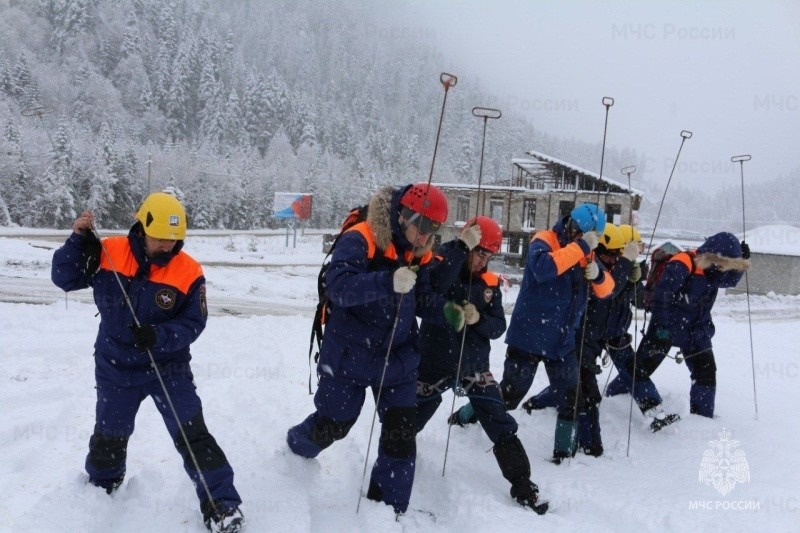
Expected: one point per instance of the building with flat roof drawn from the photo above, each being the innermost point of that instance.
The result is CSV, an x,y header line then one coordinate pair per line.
x,y
541,190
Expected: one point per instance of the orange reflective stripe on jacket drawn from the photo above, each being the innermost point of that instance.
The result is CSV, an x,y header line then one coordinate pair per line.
x,y
687,259
564,257
491,279
181,271
605,287
117,257
391,252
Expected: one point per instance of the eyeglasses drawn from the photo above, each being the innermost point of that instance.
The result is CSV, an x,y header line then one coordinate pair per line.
x,y
483,254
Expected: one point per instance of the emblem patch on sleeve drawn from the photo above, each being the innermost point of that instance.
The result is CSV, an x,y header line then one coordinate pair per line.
x,y
203,303
165,298
487,294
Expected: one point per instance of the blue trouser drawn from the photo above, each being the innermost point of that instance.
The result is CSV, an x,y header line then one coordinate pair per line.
x,y
649,356
338,402
703,391
487,403
116,410
651,353
518,373
545,398
589,416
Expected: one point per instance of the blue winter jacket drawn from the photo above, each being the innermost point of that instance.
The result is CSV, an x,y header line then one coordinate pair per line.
x,y
552,297
364,306
686,292
620,314
607,318
167,292
441,344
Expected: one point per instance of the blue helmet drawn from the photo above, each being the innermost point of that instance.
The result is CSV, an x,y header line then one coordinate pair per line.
x,y
589,217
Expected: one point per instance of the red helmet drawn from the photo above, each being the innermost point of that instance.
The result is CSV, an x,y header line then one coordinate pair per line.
x,y
427,200
491,233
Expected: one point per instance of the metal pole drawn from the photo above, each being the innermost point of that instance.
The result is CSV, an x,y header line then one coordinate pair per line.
x,y
608,102
685,134
741,159
627,170
447,80
630,170
485,113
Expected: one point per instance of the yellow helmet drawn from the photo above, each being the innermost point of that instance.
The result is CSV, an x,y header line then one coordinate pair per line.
x,y
163,217
612,238
629,233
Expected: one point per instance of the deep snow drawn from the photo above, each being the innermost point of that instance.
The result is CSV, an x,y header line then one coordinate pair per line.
x,y
252,373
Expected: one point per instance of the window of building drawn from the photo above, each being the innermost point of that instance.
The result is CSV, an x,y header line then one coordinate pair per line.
x,y
565,208
496,209
529,214
462,209
614,213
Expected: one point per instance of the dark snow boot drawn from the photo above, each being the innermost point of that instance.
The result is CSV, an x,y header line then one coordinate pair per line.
x,y
112,486
516,468
223,521
594,451
559,456
658,419
527,494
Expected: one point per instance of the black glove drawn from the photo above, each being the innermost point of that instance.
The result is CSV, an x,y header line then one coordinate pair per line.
x,y
91,251
144,336
745,250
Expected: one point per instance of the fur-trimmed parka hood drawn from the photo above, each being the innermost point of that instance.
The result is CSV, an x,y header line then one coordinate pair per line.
x,y
383,216
722,263
723,252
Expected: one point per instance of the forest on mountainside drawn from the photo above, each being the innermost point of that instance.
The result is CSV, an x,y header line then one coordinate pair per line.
x,y
228,103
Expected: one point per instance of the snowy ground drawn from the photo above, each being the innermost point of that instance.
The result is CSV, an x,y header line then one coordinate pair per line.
x,y
251,370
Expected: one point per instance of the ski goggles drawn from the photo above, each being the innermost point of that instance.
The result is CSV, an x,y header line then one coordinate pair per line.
x,y
424,224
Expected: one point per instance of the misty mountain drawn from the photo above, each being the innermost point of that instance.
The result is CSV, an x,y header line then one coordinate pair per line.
x,y
227,103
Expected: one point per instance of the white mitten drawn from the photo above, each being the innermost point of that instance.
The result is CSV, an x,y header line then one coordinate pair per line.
x,y
471,236
631,251
591,271
403,280
591,239
471,314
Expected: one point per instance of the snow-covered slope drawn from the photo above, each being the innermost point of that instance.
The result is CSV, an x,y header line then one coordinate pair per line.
x,y
252,371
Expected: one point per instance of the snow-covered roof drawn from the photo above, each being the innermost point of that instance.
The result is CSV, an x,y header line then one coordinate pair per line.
x,y
775,239
550,159
471,186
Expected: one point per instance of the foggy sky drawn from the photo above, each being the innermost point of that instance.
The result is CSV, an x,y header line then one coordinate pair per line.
x,y
727,71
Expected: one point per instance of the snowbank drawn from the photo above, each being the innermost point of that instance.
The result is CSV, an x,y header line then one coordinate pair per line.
x,y
775,239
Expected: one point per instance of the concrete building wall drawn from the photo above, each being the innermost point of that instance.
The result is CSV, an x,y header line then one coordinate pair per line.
x,y
508,205
772,273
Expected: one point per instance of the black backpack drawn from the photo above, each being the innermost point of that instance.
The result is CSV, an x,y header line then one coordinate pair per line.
x,y
355,216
